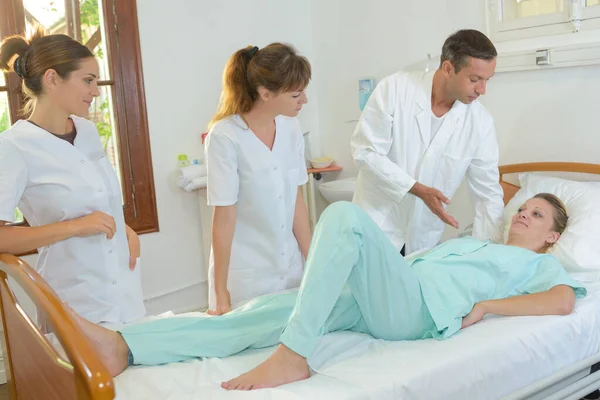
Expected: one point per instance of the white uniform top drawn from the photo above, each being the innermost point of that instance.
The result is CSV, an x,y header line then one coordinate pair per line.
x,y
50,181
263,185
393,149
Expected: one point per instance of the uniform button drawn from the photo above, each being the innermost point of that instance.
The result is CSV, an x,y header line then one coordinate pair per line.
x,y
282,226
282,278
283,253
275,167
114,282
82,161
110,252
280,197
99,190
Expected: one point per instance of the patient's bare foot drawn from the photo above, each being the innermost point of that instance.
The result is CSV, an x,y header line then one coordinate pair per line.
x,y
284,366
109,345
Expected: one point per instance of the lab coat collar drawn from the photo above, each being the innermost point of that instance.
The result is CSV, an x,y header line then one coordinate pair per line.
x,y
85,141
424,103
454,115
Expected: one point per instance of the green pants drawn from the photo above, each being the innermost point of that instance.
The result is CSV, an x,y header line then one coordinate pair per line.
x,y
354,279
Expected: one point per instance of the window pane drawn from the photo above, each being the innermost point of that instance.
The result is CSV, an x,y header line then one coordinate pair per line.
x,y
102,114
18,216
515,9
87,26
593,3
4,112
2,80
48,13
93,34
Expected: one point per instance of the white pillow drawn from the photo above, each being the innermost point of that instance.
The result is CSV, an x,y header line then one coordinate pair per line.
x,y
578,248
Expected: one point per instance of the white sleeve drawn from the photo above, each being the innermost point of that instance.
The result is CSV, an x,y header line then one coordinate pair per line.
x,y
13,179
372,140
483,179
302,173
222,170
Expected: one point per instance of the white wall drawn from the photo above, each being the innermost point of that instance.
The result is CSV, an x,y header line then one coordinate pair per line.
x,y
185,45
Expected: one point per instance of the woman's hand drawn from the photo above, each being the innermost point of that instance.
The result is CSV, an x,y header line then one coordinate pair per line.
x,y
134,247
474,316
223,303
93,224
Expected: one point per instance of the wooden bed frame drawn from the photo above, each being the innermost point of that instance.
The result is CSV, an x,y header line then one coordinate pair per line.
x,y
35,370
510,189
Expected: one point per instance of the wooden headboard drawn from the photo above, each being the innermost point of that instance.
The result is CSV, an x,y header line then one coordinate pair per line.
x,y
510,189
34,369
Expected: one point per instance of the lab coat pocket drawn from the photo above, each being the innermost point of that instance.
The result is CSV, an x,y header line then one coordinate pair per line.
x,y
452,170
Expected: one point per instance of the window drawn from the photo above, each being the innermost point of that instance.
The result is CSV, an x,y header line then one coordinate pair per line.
x,y
109,28
517,19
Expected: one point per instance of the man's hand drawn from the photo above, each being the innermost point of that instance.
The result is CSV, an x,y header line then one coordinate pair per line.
x,y
435,200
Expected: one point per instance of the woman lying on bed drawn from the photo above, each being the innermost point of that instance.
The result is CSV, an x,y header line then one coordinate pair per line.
x,y
356,280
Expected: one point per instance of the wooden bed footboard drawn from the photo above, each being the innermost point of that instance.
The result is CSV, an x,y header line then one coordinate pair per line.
x,y
34,369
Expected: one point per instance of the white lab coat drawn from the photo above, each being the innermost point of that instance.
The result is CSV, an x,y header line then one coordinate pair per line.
x,y
393,149
50,181
263,185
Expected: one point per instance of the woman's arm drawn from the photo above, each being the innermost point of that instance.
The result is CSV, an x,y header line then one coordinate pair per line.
x,y
223,228
301,226
560,300
133,242
18,239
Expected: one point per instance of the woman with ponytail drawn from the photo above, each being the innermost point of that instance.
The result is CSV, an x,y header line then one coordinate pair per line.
x,y
256,165
53,167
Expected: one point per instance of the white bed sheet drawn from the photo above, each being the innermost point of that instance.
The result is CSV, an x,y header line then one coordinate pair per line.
x,y
489,360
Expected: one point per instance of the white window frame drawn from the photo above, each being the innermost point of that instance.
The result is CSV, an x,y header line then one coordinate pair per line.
x,y
572,35
576,17
591,17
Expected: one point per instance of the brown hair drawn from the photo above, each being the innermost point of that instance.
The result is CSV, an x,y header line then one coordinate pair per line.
x,y
560,215
37,55
467,43
277,68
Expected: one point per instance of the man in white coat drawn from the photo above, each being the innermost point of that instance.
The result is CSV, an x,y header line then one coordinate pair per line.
x,y
419,136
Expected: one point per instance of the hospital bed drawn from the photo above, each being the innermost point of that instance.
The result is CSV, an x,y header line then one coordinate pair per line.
x,y
546,357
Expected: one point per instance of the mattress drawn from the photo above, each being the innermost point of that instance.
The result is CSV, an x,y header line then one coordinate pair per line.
x,y
489,360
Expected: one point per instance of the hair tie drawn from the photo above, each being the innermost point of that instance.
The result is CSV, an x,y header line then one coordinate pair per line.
x,y
252,52
19,68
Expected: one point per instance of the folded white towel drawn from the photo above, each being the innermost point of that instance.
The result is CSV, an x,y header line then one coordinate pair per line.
x,y
191,172
196,183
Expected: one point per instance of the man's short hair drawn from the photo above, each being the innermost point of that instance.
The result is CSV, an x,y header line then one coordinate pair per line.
x,y
464,44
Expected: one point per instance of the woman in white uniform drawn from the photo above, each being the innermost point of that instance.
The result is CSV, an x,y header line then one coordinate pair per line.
x,y
255,161
53,167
